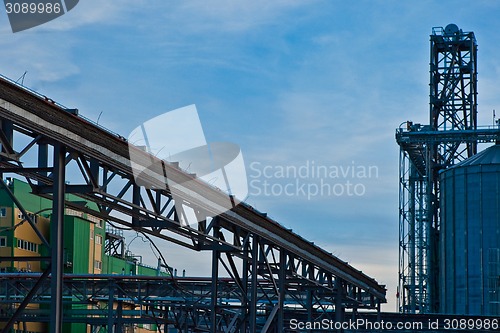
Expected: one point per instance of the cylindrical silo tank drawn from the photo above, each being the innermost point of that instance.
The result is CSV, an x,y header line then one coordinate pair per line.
x,y
469,254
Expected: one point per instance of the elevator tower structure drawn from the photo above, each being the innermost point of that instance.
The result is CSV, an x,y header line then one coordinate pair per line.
x,y
451,136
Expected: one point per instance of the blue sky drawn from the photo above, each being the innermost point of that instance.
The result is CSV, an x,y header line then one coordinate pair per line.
x,y
289,81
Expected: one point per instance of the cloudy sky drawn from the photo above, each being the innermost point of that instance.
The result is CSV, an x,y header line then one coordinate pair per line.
x,y
293,83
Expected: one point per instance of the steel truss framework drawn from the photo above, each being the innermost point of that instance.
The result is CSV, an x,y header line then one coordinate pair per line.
x,y
268,269
451,137
122,301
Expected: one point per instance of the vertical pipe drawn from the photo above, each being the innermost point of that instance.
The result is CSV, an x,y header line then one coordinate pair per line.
x,y
57,243
412,236
43,158
215,278
427,247
110,307
436,108
8,131
309,305
310,293
403,220
136,200
339,303
94,169
244,301
253,284
281,287
119,314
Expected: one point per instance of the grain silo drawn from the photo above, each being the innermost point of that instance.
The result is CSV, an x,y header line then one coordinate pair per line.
x,y
469,273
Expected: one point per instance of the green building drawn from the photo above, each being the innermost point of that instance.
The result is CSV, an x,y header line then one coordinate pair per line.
x,y
90,245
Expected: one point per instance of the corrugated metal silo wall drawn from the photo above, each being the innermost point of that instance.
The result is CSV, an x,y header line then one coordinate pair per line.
x,y
469,274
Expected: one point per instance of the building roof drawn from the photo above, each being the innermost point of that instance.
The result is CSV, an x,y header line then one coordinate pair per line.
x,y
490,155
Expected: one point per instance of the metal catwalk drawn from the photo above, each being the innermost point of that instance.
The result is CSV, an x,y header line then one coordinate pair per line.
x,y
270,271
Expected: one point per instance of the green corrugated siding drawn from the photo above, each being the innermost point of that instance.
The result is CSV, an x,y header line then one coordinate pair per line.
x,y
30,202
77,243
112,265
142,270
75,328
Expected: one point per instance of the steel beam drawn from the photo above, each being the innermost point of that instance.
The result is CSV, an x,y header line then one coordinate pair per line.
x,y
80,135
215,287
252,307
26,301
57,239
278,267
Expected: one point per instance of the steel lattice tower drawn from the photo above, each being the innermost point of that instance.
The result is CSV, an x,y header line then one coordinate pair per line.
x,y
425,150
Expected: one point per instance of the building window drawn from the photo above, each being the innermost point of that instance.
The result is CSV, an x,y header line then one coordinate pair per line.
x,y
100,224
3,241
3,212
97,264
98,239
33,217
26,245
72,212
93,218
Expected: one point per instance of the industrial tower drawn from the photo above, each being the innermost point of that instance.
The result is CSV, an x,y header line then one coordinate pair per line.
x,y
451,136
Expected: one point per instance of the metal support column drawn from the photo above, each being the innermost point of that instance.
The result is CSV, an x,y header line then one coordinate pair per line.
x,y
245,300
119,314
339,303
282,291
110,307
57,242
310,294
254,284
215,279
426,264
6,135
411,239
136,201
43,159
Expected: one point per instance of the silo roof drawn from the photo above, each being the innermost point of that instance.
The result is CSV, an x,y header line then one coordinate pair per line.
x,y
490,155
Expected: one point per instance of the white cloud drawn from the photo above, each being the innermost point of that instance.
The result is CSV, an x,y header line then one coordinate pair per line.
x,y
52,62
341,89
93,12
46,50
